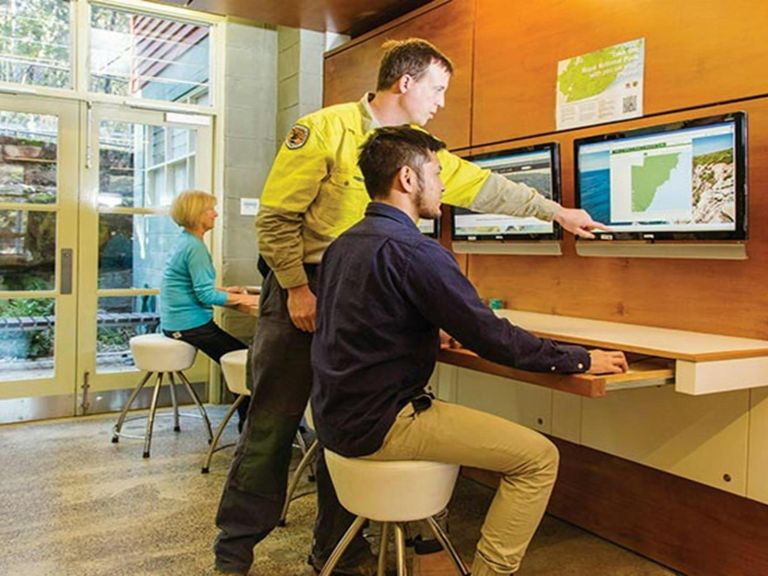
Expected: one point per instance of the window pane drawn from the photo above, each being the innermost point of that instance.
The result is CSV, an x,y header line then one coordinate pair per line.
x,y
133,249
27,250
27,329
179,143
147,56
35,42
118,320
132,168
28,160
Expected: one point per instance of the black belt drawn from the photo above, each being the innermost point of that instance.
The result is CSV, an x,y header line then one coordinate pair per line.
x,y
422,402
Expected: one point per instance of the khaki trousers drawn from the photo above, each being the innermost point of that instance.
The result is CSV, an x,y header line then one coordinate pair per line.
x,y
459,435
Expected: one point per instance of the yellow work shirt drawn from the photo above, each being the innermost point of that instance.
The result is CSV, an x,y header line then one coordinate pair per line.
x,y
315,190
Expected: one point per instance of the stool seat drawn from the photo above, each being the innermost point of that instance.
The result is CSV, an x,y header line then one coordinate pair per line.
x,y
405,490
158,353
392,492
233,365
161,357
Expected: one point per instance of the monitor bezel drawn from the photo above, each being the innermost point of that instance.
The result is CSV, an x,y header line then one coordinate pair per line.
x,y
739,119
554,151
436,233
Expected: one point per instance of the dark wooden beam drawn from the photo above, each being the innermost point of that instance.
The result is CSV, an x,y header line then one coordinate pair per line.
x,y
344,16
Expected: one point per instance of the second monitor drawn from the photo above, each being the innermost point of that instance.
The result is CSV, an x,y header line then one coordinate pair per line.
x,y
535,166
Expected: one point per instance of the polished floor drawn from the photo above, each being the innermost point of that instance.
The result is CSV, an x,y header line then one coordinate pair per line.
x,y
73,504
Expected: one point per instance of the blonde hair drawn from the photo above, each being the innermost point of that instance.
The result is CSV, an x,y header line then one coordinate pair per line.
x,y
188,207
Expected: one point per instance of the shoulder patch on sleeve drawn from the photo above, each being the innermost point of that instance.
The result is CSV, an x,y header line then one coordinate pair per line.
x,y
297,137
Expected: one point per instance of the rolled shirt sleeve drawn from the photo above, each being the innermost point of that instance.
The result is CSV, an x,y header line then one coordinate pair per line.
x,y
469,186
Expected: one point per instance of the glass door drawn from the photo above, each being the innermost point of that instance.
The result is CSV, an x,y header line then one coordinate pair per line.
x,y
38,257
137,162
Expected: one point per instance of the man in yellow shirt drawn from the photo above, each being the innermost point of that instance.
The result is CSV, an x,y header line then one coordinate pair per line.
x,y
314,192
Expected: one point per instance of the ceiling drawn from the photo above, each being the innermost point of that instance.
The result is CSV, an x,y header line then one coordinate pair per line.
x,y
353,17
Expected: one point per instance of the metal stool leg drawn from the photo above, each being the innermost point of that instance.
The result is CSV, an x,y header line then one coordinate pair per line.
x,y
309,457
402,570
220,430
121,420
197,402
342,546
151,419
175,403
441,536
383,549
304,448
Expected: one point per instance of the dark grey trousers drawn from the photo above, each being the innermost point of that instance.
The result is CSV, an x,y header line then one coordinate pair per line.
x,y
255,488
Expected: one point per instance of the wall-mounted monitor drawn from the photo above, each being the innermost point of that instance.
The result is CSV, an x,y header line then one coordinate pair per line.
x,y
680,181
537,166
430,227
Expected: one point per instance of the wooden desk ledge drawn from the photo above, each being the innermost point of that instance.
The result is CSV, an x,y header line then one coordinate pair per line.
x,y
646,340
643,372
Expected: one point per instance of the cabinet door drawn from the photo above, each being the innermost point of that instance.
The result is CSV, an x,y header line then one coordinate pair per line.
x,y
757,481
701,438
526,404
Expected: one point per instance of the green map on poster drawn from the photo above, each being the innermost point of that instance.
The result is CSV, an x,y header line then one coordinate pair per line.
x,y
591,74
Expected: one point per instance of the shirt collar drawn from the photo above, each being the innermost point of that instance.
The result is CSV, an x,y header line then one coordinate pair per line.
x,y
369,120
389,211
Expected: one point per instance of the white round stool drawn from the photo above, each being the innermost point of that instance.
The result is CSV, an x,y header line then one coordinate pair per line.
x,y
392,492
233,366
307,461
158,355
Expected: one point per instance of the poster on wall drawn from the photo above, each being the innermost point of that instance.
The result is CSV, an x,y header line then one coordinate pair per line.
x,y
603,86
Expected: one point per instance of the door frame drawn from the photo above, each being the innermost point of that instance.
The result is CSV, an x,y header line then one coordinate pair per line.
x,y
56,395
105,391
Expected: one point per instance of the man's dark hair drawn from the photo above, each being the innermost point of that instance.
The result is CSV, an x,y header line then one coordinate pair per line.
x,y
412,57
389,149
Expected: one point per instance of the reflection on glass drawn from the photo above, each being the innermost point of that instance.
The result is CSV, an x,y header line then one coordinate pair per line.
x,y
118,320
157,145
133,249
27,328
143,166
27,250
35,42
179,143
28,157
147,56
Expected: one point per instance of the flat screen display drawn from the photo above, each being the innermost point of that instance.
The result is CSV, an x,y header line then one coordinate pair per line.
x,y
429,227
536,166
681,181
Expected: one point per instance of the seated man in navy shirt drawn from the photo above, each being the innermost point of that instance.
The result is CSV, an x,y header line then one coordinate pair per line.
x,y
384,292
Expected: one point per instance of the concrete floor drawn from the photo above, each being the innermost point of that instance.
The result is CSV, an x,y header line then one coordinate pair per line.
x,y
75,504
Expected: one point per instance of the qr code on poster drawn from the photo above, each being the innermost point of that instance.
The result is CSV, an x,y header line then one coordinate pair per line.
x,y
629,104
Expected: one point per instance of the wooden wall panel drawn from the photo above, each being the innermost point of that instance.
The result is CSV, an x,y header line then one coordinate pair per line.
x,y
701,52
351,70
693,528
724,297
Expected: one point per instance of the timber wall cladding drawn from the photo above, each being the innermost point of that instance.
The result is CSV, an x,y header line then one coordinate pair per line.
x,y
698,53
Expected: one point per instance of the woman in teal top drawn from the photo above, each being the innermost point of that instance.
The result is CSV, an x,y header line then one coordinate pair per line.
x,y
188,292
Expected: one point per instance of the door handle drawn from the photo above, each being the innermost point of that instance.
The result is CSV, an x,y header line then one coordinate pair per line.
x,y
67,257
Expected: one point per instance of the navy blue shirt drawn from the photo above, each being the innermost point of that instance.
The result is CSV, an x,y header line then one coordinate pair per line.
x,y
383,293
